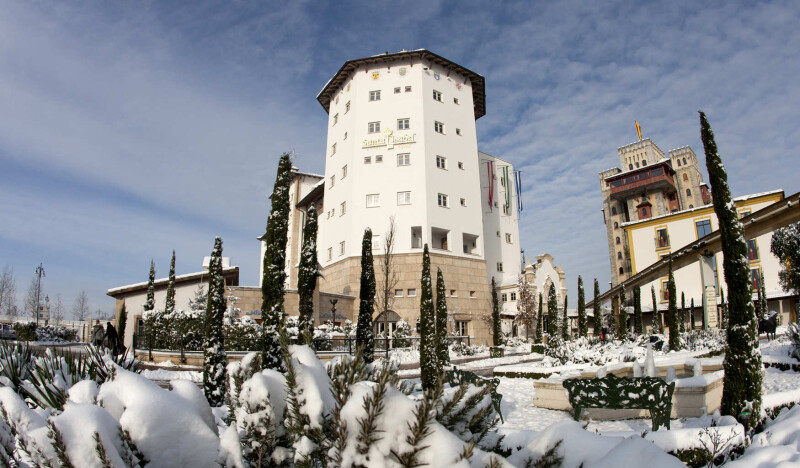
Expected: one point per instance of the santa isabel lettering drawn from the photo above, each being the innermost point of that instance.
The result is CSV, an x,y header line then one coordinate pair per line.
x,y
389,141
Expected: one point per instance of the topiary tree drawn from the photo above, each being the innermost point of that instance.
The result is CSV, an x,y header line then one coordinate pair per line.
x,y
214,358
427,326
539,320
672,312
582,325
169,303
365,338
442,350
307,274
598,311
150,304
742,364
497,331
552,311
565,322
638,326
274,274
658,323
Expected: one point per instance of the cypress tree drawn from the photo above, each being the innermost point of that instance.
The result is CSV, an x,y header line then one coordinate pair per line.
x,y
169,304
497,332
427,326
622,320
539,320
214,359
565,322
658,324
582,325
613,319
742,364
598,311
150,302
638,325
364,336
723,310
442,350
307,274
762,298
274,276
122,322
552,312
683,312
672,312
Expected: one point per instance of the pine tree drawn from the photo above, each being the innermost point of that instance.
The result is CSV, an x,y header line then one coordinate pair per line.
x,y
365,337
582,326
427,326
274,275
622,320
169,305
742,364
442,349
762,298
565,322
658,323
307,274
497,332
540,320
552,312
638,326
683,313
526,306
214,360
122,321
672,312
613,319
598,311
723,310
150,302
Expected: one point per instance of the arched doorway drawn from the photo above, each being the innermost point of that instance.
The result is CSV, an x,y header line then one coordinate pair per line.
x,y
389,318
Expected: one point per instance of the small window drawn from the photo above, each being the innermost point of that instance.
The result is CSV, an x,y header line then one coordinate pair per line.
x,y
662,238
441,162
644,162
616,225
619,255
498,233
374,127
630,166
744,214
343,208
373,200
398,293
755,279
404,159
472,294
333,180
442,200
341,248
621,271
461,165
637,165
330,253
408,89
378,158
335,119
513,296
403,124
438,127
613,210
437,96
367,159
344,171
703,228
688,192
664,290
333,149
679,162
412,293
752,250
684,161
503,297
375,95
403,198
685,176
452,293
500,266
347,107
462,328
458,131
376,242
618,240
508,238
397,90
463,202
455,100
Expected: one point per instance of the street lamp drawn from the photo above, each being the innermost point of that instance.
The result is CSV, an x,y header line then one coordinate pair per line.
x,y
39,273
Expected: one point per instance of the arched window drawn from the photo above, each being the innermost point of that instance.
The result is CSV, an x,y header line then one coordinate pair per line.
x,y
613,210
684,161
630,166
679,162
616,225
644,211
644,162
685,176
618,240
691,206
621,271
688,192
619,255
637,165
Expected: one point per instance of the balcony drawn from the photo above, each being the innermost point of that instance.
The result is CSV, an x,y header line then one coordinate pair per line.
x,y
651,178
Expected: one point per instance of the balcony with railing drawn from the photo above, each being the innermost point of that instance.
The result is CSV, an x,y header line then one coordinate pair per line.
x,y
649,178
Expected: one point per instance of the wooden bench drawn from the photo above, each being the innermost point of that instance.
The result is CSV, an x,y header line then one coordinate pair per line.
x,y
612,392
457,376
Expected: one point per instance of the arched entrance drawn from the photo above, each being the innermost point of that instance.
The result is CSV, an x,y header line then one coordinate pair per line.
x,y
384,319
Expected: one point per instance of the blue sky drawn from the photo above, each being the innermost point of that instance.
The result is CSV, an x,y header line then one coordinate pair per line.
x,y
131,129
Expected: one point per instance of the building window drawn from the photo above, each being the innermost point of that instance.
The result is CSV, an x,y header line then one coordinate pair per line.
x,y
458,131
333,180
441,162
664,290
461,165
404,159
755,278
508,238
472,294
344,171
744,214
442,200
679,162
397,90
619,255
438,127
373,200
703,228
330,253
452,293
455,100
503,297
688,192
506,209
616,225
644,162
403,198
463,202
335,119
498,233
462,328
618,241
408,89
500,266
613,210
752,250
374,127
367,159
333,149
662,238
347,107
621,271
343,208
685,176
378,158
376,242
341,248
375,95
437,96
513,296
630,166
412,293
684,161
403,124
398,293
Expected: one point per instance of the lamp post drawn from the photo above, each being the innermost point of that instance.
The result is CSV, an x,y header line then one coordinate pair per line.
x,y
39,273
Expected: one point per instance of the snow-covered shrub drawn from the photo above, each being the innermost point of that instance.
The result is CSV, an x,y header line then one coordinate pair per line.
x,y
793,332
25,331
401,334
55,334
241,333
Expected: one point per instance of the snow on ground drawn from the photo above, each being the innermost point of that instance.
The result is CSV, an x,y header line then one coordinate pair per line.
x,y
167,375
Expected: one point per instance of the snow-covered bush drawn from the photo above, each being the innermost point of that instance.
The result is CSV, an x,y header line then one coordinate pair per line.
x,y
55,334
25,331
793,332
401,334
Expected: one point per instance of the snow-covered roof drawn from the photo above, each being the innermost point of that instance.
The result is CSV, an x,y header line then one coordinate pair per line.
x,y
163,281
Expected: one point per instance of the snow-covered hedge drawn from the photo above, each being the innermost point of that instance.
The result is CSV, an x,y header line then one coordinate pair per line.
x,y
54,334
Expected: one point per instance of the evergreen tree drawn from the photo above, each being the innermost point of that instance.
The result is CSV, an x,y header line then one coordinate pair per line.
x,y
274,276
672,312
526,306
169,305
785,244
497,332
598,311
122,322
552,312
365,337
613,319
565,322
442,349
622,320
427,326
638,325
723,313
307,274
762,298
683,312
742,364
658,323
214,359
539,320
582,325
150,302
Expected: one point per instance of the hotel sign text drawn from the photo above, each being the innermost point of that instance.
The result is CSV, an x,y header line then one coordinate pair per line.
x,y
388,140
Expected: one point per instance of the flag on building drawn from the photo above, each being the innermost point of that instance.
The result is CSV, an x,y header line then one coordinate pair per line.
x,y
518,187
507,183
490,169
638,129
